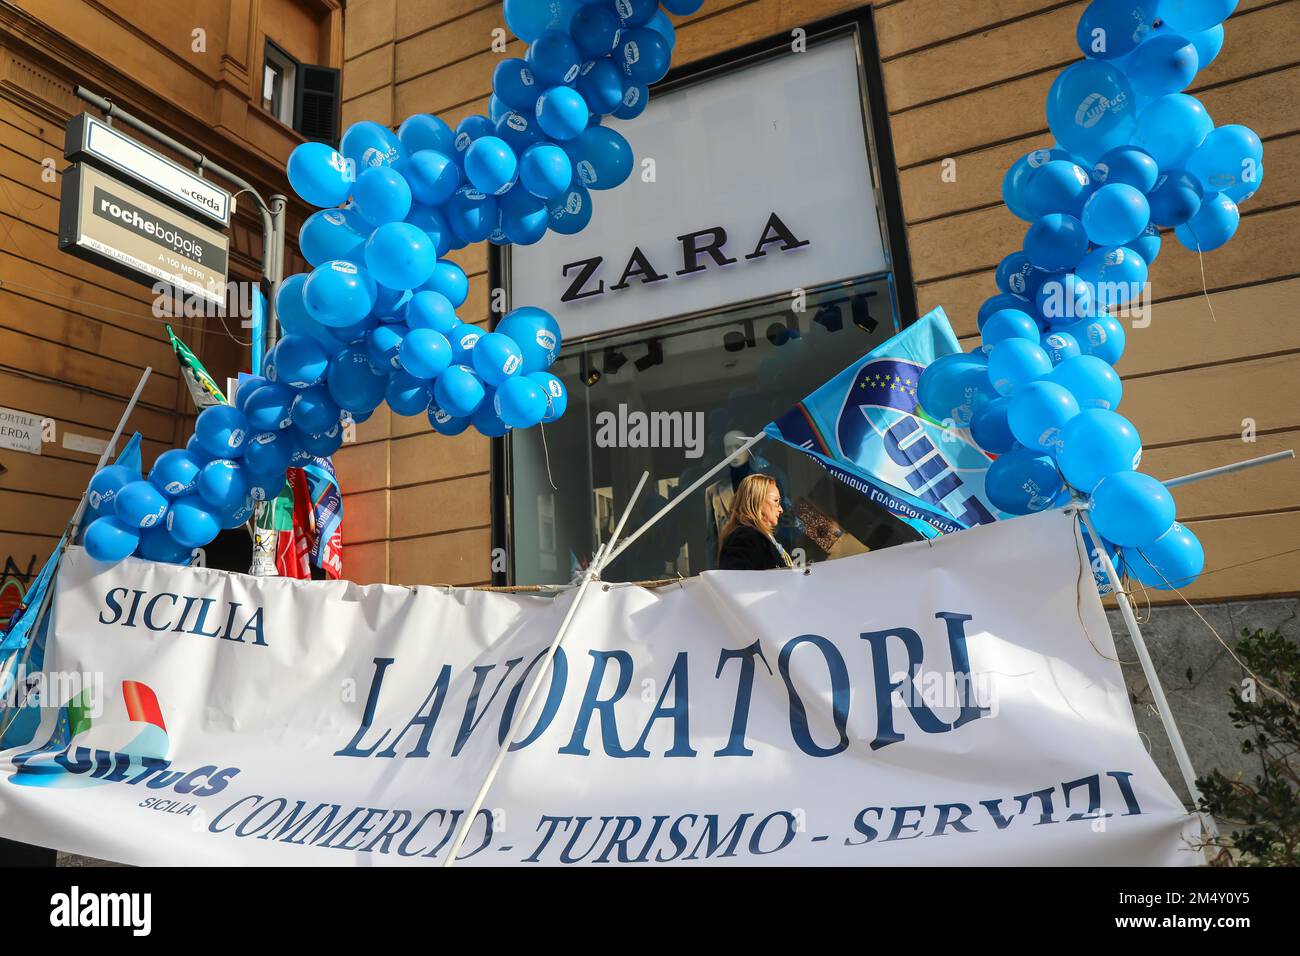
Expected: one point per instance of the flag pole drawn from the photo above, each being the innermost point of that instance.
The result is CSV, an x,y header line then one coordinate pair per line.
x,y
1183,759
1229,469
69,535
682,495
521,713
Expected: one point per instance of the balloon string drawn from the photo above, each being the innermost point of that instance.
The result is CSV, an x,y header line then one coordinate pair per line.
x,y
1200,258
546,452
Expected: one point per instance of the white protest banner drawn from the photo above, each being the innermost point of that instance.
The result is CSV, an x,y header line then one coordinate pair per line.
x,y
736,718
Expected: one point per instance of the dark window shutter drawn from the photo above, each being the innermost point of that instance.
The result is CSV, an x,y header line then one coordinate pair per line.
x,y
316,109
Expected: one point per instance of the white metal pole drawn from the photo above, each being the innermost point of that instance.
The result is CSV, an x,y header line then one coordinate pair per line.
x,y
543,671
682,495
1149,670
1228,469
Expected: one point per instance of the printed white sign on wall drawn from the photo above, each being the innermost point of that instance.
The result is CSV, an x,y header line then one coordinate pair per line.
x,y
924,705
20,431
762,184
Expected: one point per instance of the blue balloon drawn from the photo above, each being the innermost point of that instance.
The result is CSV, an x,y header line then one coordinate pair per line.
x,y
1194,15
472,213
636,13
1115,214
1091,380
468,130
104,486
1022,481
557,396
1110,29
1003,301
423,131
636,97
1174,560
382,195
954,387
431,221
267,409
463,340
400,255
201,454
596,30
514,82
1208,43
644,55
1014,363
1056,242
1059,346
431,310
353,382
176,471
1064,299
1038,411
1171,127
601,85
406,394
1214,224
1016,275
1015,184
291,312
664,27
300,361
1147,245
140,504
156,544
1131,509
571,210
682,8
319,174
369,145
524,217
1102,337
450,281
338,293
110,539
1164,63
222,430
562,112
267,454
1008,324
425,353
1059,186
529,19
1128,165
314,410
485,420
458,390
1231,156
1091,108
520,402
331,234
445,423
191,523
537,335
554,59
496,357
320,446
432,176
491,165
232,516
1094,444
519,132
601,157
1175,199
990,429
545,170
496,108
1116,274
384,343
222,484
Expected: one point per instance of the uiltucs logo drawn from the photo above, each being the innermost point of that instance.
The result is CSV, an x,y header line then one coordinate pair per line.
x,y
130,751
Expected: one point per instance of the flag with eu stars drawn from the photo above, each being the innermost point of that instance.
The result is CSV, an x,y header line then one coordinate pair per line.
x,y
866,428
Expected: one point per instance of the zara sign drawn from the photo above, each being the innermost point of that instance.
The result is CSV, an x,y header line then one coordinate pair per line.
x,y
748,185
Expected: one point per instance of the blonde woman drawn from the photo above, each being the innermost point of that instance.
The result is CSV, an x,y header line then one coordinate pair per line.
x,y
747,541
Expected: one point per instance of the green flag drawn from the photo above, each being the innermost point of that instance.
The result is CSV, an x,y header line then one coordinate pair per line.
x,y
203,388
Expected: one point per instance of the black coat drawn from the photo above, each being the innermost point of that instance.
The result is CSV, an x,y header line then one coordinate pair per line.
x,y
748,549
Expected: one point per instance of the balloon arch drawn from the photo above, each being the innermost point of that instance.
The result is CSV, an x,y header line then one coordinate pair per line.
x,y
375,320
